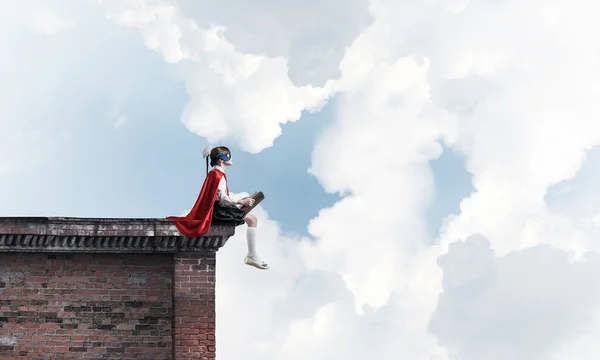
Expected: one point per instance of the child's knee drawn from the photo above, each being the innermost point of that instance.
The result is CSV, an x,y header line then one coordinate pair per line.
x,y
251,220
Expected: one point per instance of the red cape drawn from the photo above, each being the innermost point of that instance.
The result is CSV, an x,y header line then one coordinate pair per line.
x,y
197,222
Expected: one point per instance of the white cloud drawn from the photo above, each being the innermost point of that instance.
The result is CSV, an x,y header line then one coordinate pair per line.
x,y
531,119
235,96
520,104
525,305
312,34
385,138
294,312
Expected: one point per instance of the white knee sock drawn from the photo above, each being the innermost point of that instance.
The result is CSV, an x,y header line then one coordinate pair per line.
x,y
251,238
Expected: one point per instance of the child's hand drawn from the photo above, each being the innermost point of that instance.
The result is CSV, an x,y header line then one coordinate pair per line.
x,y
247,201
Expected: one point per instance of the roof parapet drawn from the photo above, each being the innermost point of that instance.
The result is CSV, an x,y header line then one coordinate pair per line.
x,y
105,235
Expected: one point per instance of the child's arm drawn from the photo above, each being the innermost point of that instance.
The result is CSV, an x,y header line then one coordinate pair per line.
x,y
222,193
223,197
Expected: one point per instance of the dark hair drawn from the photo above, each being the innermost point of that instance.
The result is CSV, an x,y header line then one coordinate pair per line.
x,y
214,153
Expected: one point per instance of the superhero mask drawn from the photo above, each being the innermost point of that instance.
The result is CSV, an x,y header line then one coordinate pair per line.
x,y
224,157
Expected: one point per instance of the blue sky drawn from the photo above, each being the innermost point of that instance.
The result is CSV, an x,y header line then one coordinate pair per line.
x,y
404,112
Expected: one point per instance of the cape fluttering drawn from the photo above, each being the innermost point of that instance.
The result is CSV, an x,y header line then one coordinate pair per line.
x,y
197,222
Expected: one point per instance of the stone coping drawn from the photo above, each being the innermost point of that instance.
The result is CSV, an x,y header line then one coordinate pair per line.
x,y
105,235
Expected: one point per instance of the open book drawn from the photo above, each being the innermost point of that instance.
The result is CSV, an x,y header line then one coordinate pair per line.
x,y
258,196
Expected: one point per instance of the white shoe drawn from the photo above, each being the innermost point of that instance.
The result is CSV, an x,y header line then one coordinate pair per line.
x,y
250,261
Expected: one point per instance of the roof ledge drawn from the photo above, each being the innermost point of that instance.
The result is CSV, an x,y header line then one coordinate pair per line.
x,y
106,235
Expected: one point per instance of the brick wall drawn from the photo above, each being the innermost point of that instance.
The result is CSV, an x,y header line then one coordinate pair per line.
x,y
194,299
101,306
86,288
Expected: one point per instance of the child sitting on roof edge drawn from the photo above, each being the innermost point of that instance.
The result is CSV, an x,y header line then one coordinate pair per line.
x,y
214,203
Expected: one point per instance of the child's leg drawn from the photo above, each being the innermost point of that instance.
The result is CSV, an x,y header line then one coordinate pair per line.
x,y
252,221
252,257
